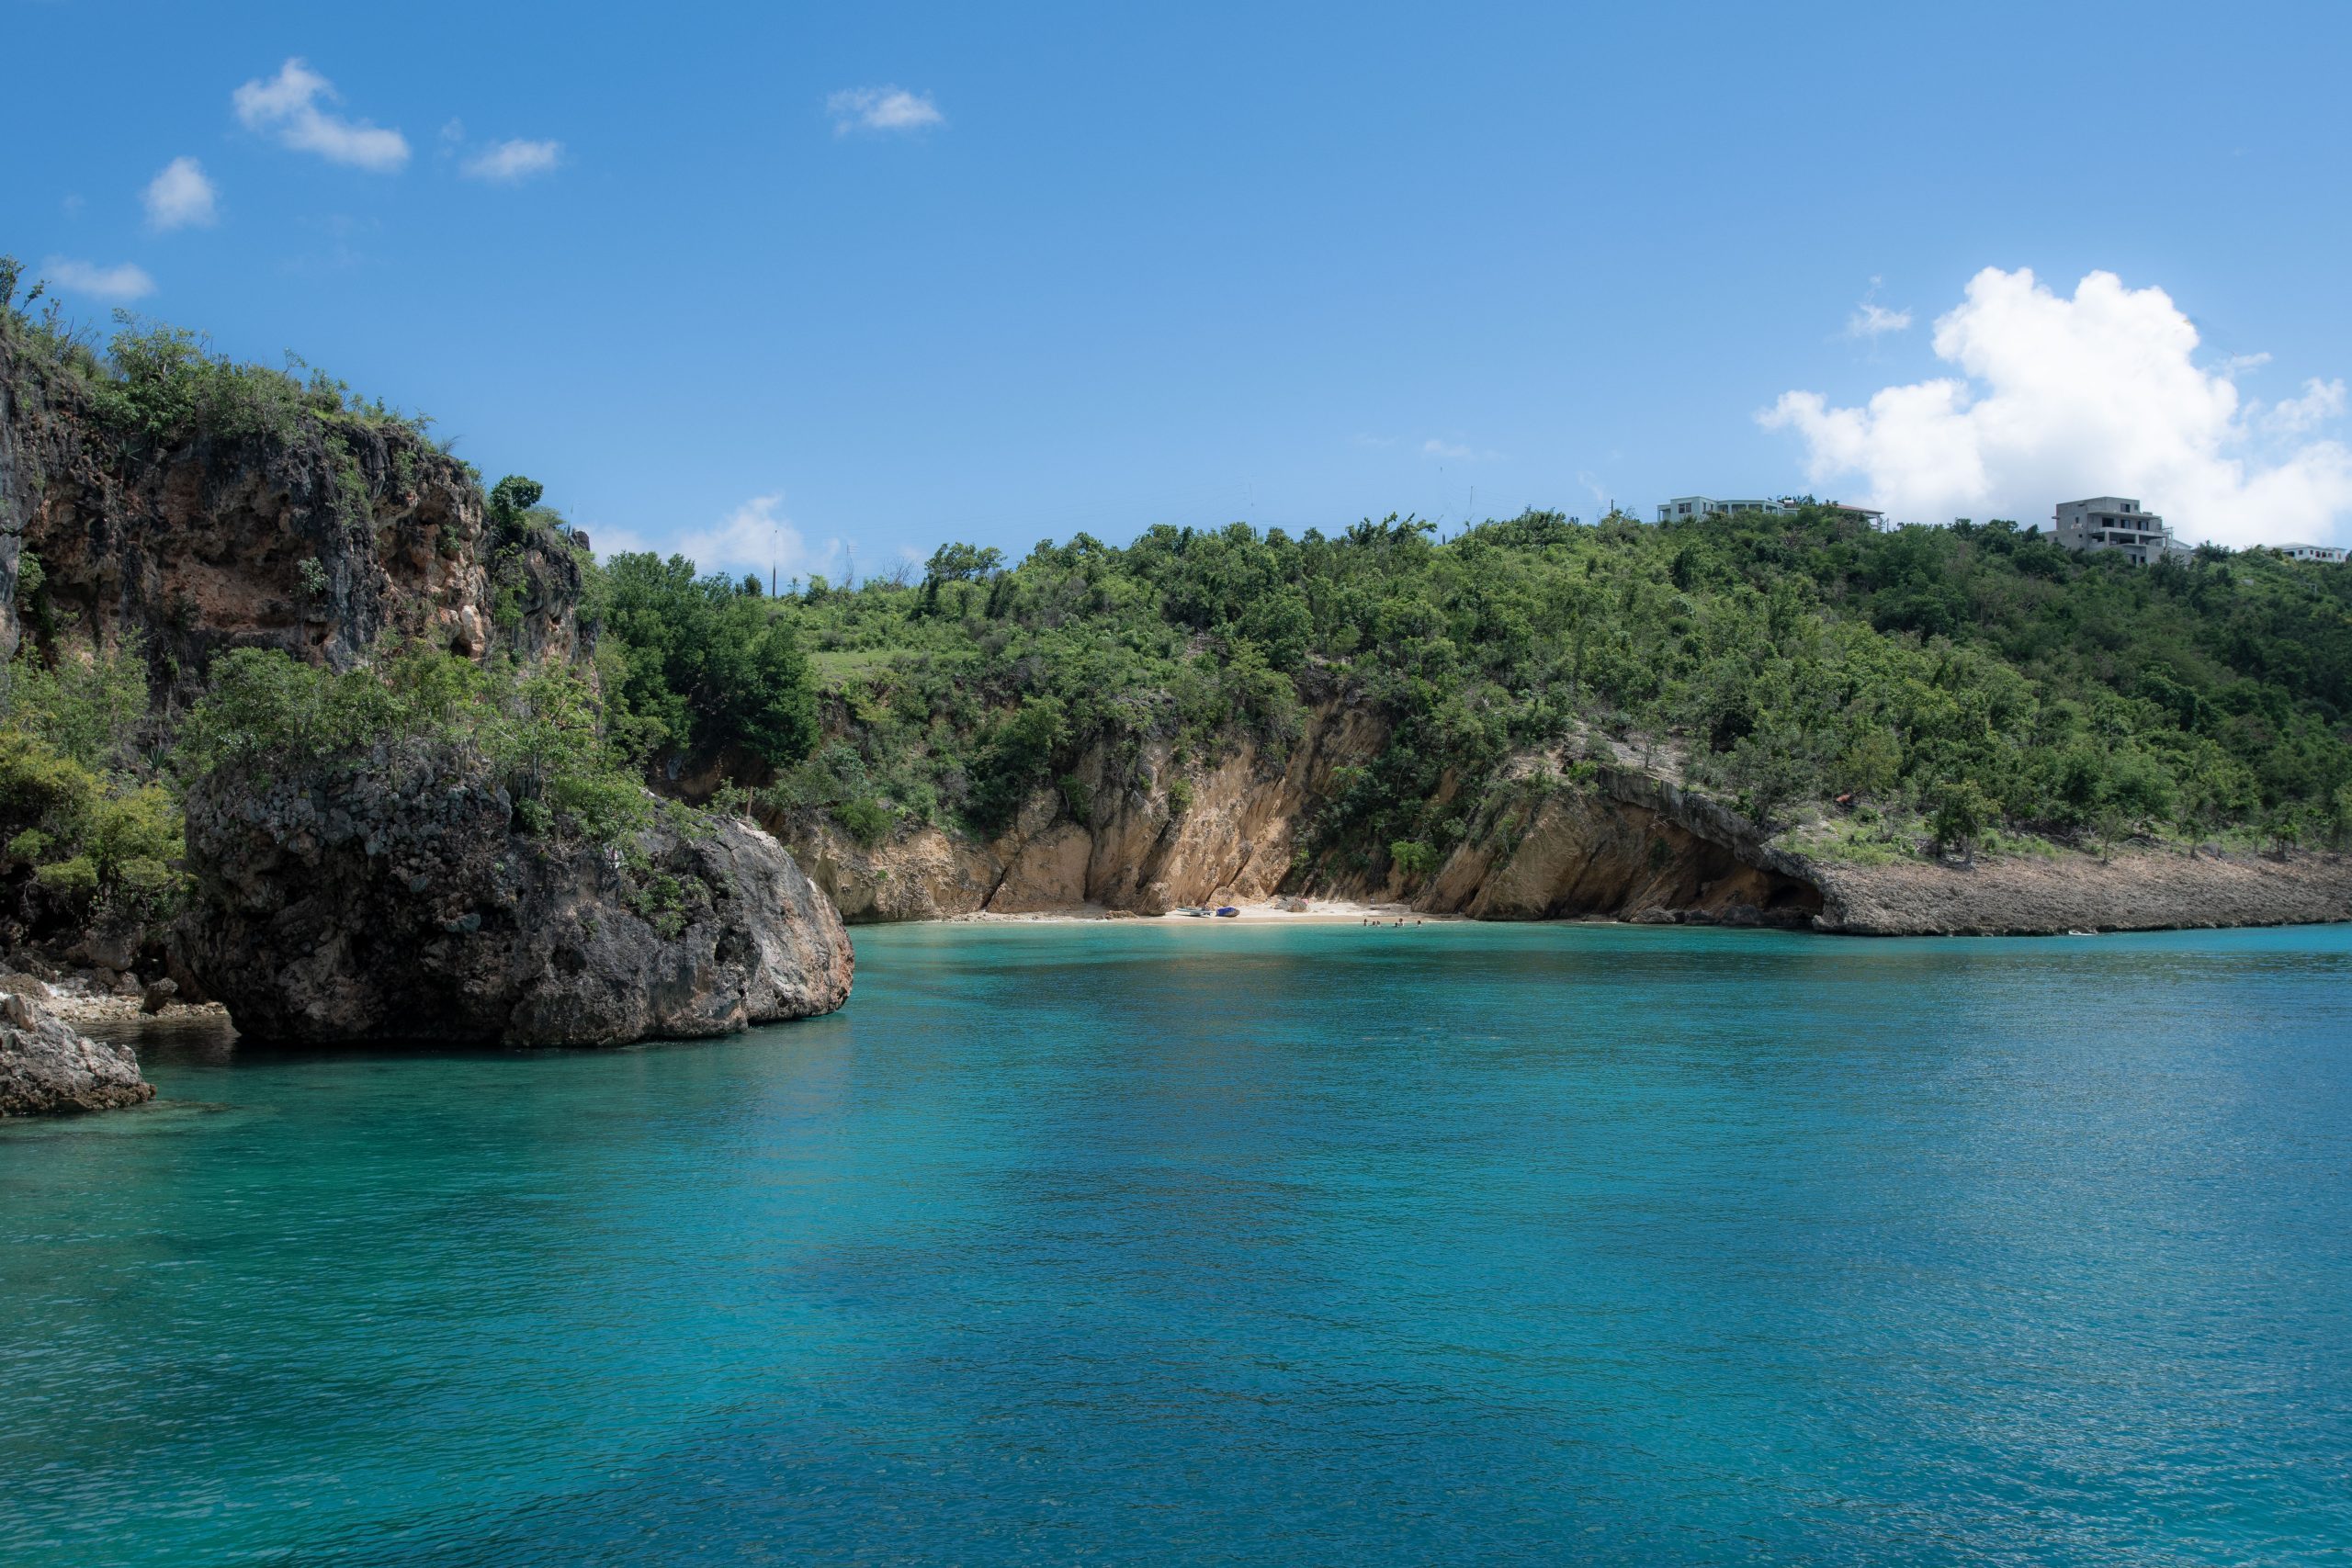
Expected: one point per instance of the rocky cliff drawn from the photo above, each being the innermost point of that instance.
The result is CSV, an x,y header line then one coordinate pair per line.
x,y
1138,848
47,1066
319,536
1585,831
1617,842
399,900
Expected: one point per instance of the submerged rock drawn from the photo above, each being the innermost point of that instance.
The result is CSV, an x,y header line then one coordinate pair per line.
x,y
48,1067
398,900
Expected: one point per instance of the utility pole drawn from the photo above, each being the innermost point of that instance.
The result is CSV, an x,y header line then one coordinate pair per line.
x,y
771,563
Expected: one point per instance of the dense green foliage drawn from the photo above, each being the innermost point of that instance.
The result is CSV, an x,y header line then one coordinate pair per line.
x,y
537,727
1958,682
82,811
698,665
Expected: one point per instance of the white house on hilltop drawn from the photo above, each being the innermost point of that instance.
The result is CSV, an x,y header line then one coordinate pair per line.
x,y
2114,523
1683,508
2313,552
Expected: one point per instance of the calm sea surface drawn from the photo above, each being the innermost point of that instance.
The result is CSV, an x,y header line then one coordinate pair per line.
x,y
1103,1244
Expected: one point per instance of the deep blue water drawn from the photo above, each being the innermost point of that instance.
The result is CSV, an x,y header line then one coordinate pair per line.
x,y
1114,1244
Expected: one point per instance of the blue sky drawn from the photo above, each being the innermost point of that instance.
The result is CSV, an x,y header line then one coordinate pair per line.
x,y
1097,267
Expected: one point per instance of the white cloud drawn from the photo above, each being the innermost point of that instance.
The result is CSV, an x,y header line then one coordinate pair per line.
x,y
124,282
1871,318
1457,451
2321,401
287,105
181,196
752,538
512,161
882,108
2058,398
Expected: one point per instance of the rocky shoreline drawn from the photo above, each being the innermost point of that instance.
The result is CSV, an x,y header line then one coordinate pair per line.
x,y
2141,890
2199,890
48,1067
398,899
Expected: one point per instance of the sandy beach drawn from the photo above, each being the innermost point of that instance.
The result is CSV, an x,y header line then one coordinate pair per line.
x,y
1293,911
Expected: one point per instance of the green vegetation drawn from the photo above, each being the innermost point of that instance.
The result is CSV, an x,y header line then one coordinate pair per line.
x,y
698,664
1960,683
155,383
82,810
537,727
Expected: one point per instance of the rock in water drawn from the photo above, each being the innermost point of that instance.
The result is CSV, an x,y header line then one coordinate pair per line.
x,y
398,900
48,1067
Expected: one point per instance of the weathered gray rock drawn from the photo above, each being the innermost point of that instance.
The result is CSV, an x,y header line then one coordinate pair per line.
x,y
2158,889
47,1066
397,900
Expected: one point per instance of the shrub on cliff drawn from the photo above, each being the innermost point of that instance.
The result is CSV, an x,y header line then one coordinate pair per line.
x,y
163,382
82,816
538,727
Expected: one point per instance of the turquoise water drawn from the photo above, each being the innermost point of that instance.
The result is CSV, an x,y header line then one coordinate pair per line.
x,y
1195,1245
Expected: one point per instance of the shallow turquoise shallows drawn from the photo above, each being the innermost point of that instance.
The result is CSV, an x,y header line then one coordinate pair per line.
x,y
1191,1244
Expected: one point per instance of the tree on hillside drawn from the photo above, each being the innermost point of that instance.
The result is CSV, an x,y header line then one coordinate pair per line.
x,y
695,666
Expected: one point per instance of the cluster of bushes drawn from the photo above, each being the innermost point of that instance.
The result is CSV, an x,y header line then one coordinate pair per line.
x,y
156,383
84,813
538,726
697,665
90,779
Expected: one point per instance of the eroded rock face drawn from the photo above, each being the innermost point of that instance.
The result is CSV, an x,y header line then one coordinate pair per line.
x,y
397,901
1630,845
1136,851
48,1067
319,540
2149,890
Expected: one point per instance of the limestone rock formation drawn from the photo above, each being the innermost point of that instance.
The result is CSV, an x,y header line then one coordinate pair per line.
x,y
1616,839
398,900
319,539
1626,844
1136,851
2154,889
1623,843
48,1067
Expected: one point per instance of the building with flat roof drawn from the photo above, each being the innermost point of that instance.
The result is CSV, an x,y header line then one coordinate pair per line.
x,y
2313,552
2114,523
1683,508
